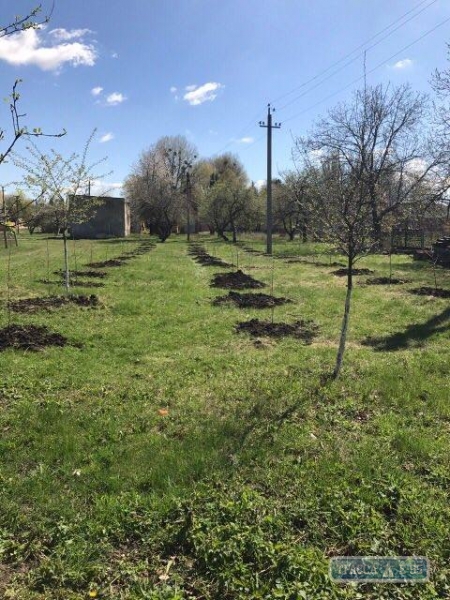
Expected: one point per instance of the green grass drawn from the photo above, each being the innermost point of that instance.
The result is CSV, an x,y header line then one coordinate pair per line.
x,y
255,473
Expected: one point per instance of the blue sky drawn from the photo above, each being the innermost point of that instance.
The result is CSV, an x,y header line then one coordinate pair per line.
x,y
206,69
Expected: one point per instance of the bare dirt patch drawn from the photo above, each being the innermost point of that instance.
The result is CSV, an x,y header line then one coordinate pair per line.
x,y
29,337
86,284
94,274
430,291
303,330
74,283
199,254
344,272
112,262
237,280
257,300
32,305
314,263
385,281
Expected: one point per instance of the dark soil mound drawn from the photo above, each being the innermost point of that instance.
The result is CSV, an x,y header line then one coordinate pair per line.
x,y
430,291
344,272
315,263
96,274
29,337
31,305
385,281
86,284
202,257
250,300
211,261
237,280
252,250
304,330
112,262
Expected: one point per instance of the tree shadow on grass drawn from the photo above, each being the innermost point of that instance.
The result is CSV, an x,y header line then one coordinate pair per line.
x,y
414,336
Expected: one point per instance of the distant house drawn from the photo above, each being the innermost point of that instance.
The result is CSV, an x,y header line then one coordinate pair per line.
x,y
110,219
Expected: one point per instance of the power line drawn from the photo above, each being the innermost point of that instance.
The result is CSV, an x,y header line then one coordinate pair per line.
x,y
352,60
251,125
382,63
350,53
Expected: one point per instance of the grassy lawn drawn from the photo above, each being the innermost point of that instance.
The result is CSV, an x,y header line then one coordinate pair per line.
x,y
162,455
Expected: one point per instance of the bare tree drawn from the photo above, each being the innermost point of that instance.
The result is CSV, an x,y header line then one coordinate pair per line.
x,y
61,183
369,166
291,204
379,136
156,186
340,207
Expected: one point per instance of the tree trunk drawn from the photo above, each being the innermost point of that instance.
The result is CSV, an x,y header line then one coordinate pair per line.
x,y
291,235
234,235
345,320
66,262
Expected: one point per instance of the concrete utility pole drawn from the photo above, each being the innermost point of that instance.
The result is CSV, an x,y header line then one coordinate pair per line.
x,y
269,222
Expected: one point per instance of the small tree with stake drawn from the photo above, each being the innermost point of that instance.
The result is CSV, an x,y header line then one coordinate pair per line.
x,y
61,183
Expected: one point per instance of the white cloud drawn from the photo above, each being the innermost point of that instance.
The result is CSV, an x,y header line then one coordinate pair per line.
x,y
246,140
203,93
115,98
27,48
107,137
64,35
96,91
173,89
403,64
114,55
190,88
104,188
260,183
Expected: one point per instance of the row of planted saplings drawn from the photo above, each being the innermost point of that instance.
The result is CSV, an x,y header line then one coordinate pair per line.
x,y
37,337
238,280
436,291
